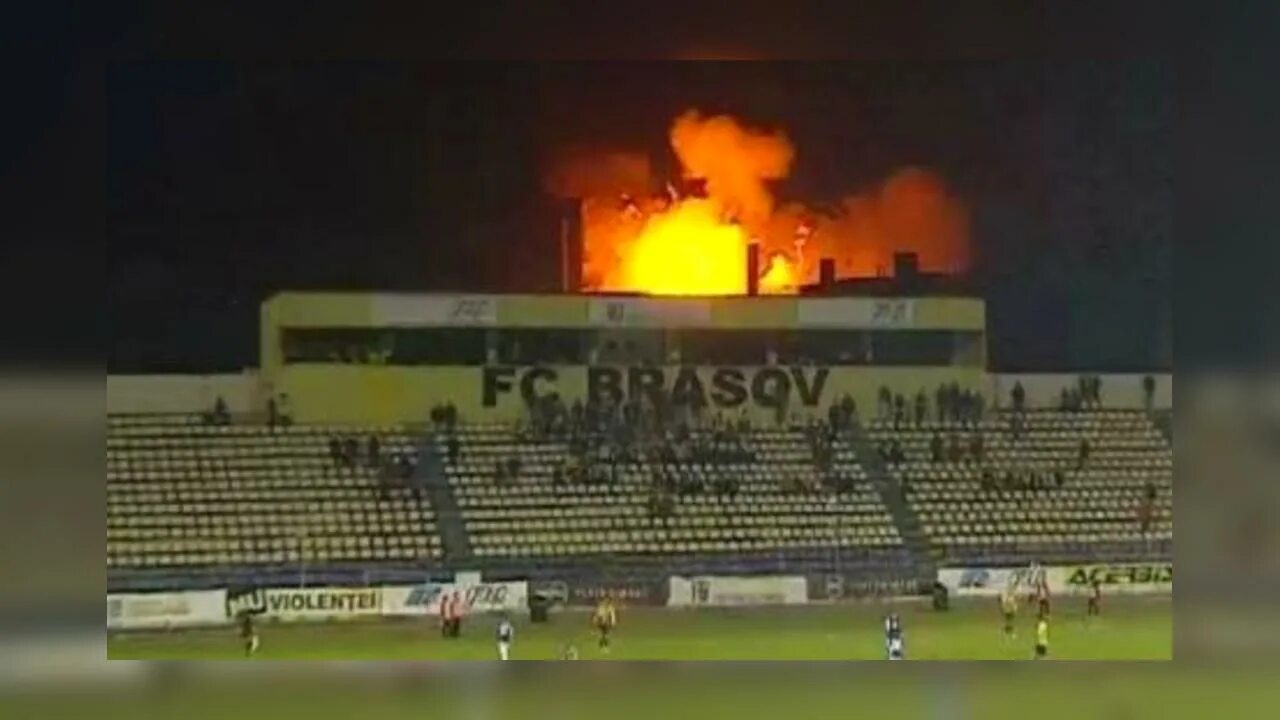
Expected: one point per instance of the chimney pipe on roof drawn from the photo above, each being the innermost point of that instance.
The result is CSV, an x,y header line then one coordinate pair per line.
x,y
906,266
753,269
826,273
571,247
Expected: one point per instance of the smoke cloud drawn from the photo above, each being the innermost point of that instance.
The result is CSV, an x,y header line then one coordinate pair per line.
x,y
736,162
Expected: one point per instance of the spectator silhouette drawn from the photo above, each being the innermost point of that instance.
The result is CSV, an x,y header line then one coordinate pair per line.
x,y
351,451
286,409
848,408
221,415
1019,396
977,447
454,449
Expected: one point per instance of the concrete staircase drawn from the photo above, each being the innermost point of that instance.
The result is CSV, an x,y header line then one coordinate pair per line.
x,y
891,494
430,477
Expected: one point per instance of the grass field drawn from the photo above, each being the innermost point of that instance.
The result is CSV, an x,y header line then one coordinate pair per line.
x,y
1130,629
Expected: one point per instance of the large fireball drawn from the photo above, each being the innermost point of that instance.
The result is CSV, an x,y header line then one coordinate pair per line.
x,y
690,236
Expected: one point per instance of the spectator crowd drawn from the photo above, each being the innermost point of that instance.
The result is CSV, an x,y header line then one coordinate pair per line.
x,y
682,448
393,469
963,441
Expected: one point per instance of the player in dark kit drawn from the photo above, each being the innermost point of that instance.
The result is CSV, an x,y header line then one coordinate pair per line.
x,y
506,634
893,642
1095,599
248,634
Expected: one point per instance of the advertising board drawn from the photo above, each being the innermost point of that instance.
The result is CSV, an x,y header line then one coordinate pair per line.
x,y
722,591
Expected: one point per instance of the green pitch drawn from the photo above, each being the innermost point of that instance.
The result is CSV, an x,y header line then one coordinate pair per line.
x,y
1130,628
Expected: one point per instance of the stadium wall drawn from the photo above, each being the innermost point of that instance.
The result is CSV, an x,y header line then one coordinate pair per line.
x,y
364,310
385,395
1119,390
294,309
182,393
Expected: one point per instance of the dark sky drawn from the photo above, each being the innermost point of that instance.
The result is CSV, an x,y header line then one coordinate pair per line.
x,y
228,180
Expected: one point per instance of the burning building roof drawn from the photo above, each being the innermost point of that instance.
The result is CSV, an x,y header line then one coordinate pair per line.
x,y
689,235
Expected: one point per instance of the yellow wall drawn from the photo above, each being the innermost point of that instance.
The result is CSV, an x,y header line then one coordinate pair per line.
x,y
950,314
757,312
557,311
389,395
183,393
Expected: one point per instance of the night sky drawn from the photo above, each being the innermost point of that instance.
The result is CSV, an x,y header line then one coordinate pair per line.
x,y
227,181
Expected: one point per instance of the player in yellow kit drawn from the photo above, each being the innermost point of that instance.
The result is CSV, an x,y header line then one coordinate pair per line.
x,y
1042,637
1009,609
604,620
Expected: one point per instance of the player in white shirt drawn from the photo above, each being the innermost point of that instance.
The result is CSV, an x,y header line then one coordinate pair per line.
x,y
506,633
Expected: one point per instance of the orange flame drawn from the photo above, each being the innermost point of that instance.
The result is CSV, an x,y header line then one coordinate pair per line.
x,y
687,251
781,277
639,240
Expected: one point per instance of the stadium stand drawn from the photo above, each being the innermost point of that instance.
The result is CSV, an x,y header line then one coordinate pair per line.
x,y
185,493
182,492
778,501
1037,491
